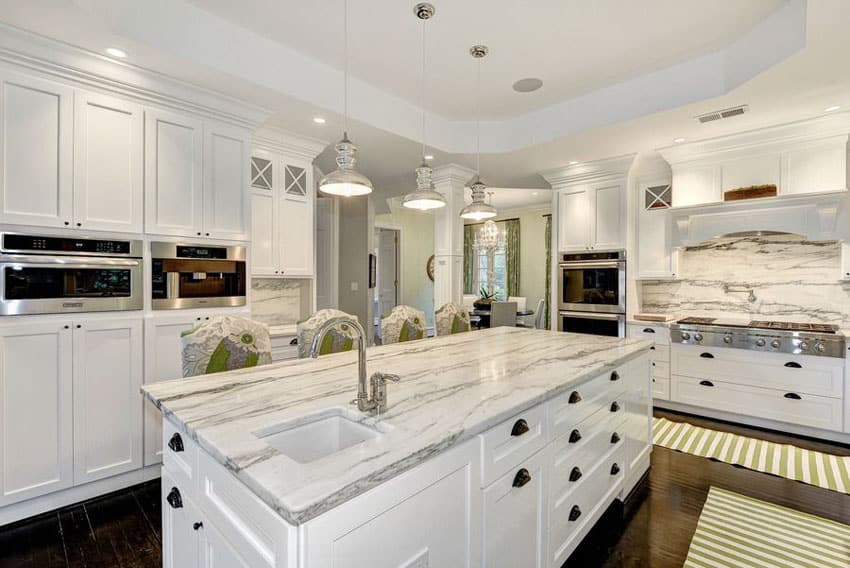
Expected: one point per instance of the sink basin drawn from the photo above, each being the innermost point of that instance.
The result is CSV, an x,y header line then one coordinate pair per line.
x,y
319,435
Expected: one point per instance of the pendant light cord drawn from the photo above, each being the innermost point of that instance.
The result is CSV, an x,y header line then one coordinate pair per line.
x,y
423,89
345,68
478,123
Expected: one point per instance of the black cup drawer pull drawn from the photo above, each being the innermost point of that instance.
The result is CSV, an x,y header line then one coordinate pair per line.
x,y
575,436
521,478
706,383
520,427
615,438
615,406
575,474
615,376
574,397
793,365
615,469
648,330
294,341
197,526
706,355
793,396
575,513
176,443
174,498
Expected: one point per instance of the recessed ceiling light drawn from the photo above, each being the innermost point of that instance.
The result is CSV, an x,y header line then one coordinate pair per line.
x,y
832,108
429,157
319,120
527,85
535,193
678,140
574,162
115,52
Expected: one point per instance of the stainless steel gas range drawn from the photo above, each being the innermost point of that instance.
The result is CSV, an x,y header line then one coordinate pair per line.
x,y
759,335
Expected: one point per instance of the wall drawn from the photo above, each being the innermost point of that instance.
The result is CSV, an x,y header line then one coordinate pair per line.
x,y
793,280
356,219
280,301
417,245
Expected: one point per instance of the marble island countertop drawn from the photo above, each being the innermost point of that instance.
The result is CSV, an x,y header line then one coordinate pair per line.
x,y
452,389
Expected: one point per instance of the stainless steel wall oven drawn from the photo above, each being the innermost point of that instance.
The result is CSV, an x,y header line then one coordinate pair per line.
x,y
592,293
197,276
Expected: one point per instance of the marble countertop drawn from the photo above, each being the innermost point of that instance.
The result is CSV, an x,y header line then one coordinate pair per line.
x,y
452,388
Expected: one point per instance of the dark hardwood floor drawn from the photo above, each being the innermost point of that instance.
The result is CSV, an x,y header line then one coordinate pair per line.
x,y
653,529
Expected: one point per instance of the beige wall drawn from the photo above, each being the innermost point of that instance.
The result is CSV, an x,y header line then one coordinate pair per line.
x,y
355,242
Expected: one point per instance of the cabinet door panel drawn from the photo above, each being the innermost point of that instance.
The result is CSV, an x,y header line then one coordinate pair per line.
x,y
573,220
173,175
226,156
653,245
297,225
107,401
36,425
606,216
217,552
36,151
108,159
696,185
180,539
265,242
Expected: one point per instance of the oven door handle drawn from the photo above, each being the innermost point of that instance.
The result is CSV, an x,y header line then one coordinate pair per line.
x,y
592,315
59,261
591,264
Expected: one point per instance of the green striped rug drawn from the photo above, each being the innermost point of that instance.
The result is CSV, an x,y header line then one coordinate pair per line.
x,y
815,468
737,531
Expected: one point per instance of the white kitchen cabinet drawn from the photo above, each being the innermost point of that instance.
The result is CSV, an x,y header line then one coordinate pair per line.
x,y
107,400
227,154
108,164
36,151
655,257
36,421
573,220
591,218
697,185
815,166
174,189
216,552
180,531
297,220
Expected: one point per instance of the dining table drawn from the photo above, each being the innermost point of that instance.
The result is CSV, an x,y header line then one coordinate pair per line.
x,y
483,315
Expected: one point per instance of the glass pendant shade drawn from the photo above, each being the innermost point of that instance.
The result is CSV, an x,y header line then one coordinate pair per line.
x,y
345,181
425,196
478,210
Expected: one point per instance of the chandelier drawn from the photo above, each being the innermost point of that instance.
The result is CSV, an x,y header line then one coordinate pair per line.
x,y
489,237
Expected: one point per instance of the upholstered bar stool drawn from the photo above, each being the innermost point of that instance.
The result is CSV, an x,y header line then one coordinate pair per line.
x,y
338,339
225,343
451,318
402,323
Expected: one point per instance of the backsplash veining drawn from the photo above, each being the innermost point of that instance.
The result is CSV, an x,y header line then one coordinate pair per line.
x,y
279,301
792,279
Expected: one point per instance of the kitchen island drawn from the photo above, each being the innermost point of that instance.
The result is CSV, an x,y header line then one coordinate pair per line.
x,y
499,448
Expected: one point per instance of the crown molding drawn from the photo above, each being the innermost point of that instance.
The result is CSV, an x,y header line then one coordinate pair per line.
x,y
25,51
276,139
453,174
609,169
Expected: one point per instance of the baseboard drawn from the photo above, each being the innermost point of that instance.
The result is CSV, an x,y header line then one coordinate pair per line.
x,y
31,507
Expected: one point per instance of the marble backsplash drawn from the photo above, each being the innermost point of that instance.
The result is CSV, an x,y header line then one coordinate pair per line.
x,y
792,280
279,301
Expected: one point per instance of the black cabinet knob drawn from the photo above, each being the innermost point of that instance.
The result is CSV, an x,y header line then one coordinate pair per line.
x,y
648,330
79,326
520,427
199,234
198,525
521,478
208,234
67,223
615,376
615,469
575,474
174,499
615,406
793,365
615,438
575,513
575,436
793,396
79,224
574,397
652,348
706,355
706,383
67,327
176,443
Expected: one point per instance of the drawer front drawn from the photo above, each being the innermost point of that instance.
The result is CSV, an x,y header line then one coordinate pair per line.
x,y
802,409
573,516
284,353
575,454
658,333
823,376
569,409
507,445
661,369
660,353
660,388
179,455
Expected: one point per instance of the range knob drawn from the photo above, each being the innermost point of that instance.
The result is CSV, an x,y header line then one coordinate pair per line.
x,y
775,344
820,347
685,335
698,336
727,339
804,346
760,342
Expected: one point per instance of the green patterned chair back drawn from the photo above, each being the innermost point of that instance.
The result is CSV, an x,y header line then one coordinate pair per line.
x,y
451,318
338,339
225,343
402,323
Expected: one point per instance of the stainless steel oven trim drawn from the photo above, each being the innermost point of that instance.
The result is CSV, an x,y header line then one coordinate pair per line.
x,y
136,247
619,318
188,303
161,250
593,264
135,301
618,308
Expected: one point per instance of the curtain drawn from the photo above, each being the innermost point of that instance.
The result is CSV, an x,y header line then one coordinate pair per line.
x,y
468,258
547,236
512,256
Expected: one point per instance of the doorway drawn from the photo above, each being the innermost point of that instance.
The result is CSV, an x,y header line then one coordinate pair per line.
x,y
388,271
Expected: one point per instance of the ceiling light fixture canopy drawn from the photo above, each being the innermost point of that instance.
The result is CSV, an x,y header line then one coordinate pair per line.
x,y
424,197
479,209
345,181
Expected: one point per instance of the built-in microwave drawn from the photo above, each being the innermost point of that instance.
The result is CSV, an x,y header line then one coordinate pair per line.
x,y
592,282
197,276
44,274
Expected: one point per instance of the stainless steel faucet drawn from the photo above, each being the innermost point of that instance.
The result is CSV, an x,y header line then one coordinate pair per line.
x,y
368,400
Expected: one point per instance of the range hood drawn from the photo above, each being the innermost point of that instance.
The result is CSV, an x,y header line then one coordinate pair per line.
x,y
815,217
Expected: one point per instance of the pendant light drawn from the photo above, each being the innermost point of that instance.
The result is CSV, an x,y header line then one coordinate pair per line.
x,y
425,196
478,210
345,181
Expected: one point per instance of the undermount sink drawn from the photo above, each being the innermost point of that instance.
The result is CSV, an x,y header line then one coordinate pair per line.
x,y
319,435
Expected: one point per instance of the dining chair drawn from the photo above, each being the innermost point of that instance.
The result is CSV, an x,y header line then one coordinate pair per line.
x,y
338,339
225,343
521,302
451,318
503,314
539,315
402,323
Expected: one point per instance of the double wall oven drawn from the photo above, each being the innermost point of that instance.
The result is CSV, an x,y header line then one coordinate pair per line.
x,y
42,274
592,293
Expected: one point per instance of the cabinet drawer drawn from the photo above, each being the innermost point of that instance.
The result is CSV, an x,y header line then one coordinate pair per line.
x,y
660,353
505,446
661,369
660,388
823,376
179,455
284,353
572,517
569,409
807,410
658,333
